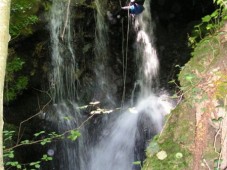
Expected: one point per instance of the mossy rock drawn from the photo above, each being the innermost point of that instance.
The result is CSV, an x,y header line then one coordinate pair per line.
x,y
178,135
176,140
204,56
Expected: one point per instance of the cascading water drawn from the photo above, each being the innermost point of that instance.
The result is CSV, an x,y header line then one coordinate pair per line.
x,y
63,58
146,52
120,143
64,115
104,87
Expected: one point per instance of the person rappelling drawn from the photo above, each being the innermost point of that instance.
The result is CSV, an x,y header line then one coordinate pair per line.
x,y
135,7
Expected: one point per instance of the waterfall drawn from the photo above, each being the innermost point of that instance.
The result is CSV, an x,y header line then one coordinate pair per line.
x,y
105,85
146,52
123,140
64,115
63,58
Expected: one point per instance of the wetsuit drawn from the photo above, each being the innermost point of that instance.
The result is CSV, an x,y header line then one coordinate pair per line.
x,y
136,9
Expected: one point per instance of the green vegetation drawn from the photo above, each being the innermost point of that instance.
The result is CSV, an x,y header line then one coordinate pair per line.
x,y
10,145
209,24
23,17
14,83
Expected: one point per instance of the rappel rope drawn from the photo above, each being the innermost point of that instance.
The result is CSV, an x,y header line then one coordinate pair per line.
x,y
125,64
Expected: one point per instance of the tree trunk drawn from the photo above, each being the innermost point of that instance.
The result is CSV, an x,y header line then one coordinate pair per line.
x,y
4,39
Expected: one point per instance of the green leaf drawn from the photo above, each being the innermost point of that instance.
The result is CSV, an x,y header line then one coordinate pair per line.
x,y
19,166
9,154
34,163
73,135
47,158
206,18
37,166
215,13
172,81
25,142
137,163
15,163
39,133
209,26
45,141
54,135
189,77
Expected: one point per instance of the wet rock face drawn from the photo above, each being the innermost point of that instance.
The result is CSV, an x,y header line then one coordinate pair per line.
x,y
183,11
173,20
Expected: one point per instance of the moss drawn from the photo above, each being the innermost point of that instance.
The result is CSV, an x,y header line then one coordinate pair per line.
x,y
172,161
202,78
209,153
221,88
204,55
174,141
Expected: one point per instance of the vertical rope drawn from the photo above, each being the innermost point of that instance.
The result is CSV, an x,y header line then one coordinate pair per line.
x,y
125,66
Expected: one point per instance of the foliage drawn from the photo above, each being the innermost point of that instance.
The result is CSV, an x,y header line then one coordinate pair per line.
x,y
209,24
74,134
222,3
14,84
23,16
10,159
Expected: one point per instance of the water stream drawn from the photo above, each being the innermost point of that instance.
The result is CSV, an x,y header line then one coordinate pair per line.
x,y
63,58
123,140
105,86
64,114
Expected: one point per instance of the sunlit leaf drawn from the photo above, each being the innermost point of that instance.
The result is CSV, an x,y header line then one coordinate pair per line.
x,y
39,133
74,134
206,18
